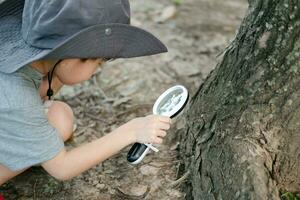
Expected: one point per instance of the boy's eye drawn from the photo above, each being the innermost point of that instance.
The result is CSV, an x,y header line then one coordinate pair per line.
x,y
83,59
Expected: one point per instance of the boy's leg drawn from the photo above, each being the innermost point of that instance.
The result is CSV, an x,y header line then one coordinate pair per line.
x,y
6,174
60,115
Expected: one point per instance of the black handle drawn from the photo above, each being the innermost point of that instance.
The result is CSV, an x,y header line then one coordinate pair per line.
x,y
136,152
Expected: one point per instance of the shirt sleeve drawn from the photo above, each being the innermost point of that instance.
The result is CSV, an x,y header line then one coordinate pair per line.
x,y
27,138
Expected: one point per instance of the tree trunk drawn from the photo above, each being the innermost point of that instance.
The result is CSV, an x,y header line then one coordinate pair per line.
x,y
241,139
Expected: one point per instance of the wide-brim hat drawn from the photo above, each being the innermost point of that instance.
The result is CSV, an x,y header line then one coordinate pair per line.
x,y
32,30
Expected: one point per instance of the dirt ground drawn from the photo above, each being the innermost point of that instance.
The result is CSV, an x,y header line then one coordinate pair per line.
x,y
196,33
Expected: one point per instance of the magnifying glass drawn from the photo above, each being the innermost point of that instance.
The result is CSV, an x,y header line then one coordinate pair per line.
x,y
169,104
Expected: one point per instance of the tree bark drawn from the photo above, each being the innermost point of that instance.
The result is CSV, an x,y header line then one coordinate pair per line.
x,y
241,139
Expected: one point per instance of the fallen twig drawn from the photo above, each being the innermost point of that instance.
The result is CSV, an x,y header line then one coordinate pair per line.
x,y
34,187
95,118
180,180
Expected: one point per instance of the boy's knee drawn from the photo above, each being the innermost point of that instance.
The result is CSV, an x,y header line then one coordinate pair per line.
x,y
60,115
60,108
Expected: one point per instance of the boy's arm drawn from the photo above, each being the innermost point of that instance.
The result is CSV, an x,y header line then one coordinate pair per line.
x,y
69,164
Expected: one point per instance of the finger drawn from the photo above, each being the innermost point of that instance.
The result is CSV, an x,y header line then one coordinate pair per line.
x,y
168,123
158,140
164,126
161,133
164,119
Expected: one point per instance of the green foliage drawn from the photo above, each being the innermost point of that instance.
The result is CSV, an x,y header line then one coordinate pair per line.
x,y
177,2
290,196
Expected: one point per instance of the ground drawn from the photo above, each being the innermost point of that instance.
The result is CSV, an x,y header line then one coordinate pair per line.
x,y
196,33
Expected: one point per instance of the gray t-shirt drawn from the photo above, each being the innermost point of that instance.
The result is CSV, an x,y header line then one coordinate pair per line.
x,y
26,137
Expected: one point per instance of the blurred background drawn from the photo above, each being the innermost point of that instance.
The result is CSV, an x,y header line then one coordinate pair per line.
x,y
196,33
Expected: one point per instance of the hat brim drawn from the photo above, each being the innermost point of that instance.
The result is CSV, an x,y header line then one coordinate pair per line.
x,y
122,41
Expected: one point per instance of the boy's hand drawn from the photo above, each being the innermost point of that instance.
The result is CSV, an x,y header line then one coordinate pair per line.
x,y
149,129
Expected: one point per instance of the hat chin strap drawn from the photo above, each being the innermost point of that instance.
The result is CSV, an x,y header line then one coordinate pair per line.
x,y
50,75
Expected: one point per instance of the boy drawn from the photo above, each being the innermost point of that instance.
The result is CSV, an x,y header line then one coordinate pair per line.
x,y
66,40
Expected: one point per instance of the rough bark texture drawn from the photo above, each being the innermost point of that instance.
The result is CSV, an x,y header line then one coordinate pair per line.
x,y
242,138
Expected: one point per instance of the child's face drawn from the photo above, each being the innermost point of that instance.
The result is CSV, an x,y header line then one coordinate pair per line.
x,y
72,71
